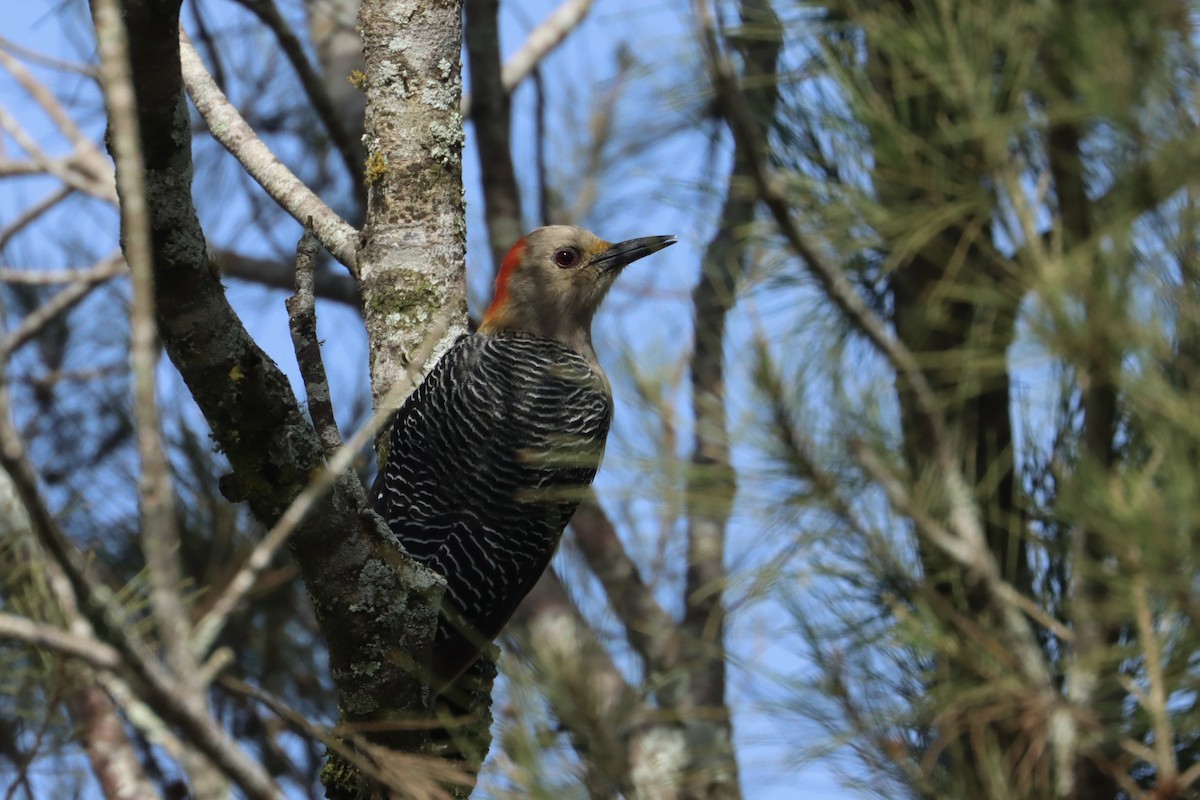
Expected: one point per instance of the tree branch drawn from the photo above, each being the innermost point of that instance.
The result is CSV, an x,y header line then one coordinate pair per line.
x,y
302,320
541,42
651,630
492,121
90,651
413,245
62,301
103,612
610,726
36,587
208,628
278,274
156,497
837,288
110,752
31,213
228,128
350,149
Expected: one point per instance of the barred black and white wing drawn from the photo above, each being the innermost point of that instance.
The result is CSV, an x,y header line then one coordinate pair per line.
x,y
489,459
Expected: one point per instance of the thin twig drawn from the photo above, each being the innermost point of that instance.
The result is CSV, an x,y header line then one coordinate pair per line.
x,y
87,160
90,651
540,42
46,99
493,122
37,587
302,320
209,626
1155,700
21,137
543,39
351,152
979,563
796,446
69,170
31,214
1190,775
84,169
14,168
140,715
61,302
54,277
541,144
281,274
235,135
36,57
415,775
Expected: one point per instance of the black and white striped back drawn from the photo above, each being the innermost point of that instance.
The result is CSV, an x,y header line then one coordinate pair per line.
x,y
488,460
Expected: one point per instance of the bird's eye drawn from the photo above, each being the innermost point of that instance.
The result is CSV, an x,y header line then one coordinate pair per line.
x,y
566,257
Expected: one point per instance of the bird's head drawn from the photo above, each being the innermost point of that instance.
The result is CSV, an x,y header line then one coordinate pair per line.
x,y
552,281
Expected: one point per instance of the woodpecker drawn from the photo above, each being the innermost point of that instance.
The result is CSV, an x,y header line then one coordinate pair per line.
x,y
493,452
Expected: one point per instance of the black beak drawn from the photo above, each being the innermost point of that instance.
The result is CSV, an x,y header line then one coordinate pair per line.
x,y
624,253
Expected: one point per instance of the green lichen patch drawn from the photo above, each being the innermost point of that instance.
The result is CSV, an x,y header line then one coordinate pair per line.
x,y
396,304
374,169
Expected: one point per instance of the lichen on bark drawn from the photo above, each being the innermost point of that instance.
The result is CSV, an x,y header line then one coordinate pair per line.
x,y
413,244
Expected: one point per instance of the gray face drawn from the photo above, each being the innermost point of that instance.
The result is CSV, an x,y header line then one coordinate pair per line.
x,y
552,285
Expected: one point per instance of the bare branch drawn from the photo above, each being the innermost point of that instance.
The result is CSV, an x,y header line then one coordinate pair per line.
x,y
600,125
280,274
110,752
31,213
230,129
302,320
62,302
102,611
651,630
11,167
492,118
48,102
160,535
86,169
350,150
41,58
541,41
145,720
88,650
80,170
36,586
50,277
610,725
